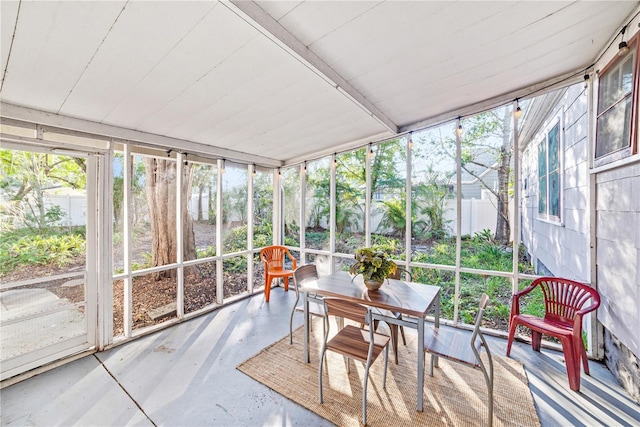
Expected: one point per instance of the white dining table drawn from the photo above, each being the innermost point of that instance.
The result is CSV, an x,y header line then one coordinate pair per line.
x,y
408,298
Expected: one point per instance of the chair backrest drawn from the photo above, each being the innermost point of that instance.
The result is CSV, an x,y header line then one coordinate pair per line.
x,y
346,309
273,257
303,274
564,298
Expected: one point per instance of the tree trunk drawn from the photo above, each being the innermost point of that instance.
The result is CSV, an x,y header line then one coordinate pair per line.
x,y
210,206
200,193
161,199
503,227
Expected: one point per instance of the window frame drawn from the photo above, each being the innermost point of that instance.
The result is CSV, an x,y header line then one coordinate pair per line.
x,y
632,147
556,120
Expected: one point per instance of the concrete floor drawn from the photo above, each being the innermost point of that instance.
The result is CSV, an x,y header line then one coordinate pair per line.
x,y
186,376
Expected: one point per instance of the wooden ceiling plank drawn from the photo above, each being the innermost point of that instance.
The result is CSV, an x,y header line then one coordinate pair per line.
x,y
54,42
8,23
262,21
136,44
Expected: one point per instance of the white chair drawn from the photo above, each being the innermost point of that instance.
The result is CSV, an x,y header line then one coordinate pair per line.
x,y
316,305
353,342
453,345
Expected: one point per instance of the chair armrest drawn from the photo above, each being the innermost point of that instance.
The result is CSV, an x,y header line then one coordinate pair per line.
x,y
515,300
294,263
526,290
595,303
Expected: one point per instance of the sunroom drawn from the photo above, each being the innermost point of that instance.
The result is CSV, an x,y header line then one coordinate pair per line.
x,y
150,150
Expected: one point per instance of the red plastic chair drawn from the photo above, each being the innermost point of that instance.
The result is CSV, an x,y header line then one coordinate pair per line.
x,y
565,305
273,259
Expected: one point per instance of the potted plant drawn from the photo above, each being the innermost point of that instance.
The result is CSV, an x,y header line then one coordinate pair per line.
x,y
375,265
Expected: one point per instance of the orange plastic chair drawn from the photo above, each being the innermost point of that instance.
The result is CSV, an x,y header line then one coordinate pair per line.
x,y
273,258
565,305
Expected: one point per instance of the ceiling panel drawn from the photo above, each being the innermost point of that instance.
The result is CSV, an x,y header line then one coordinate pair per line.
x,y
135,45
210,43
49,55
241,66
9,11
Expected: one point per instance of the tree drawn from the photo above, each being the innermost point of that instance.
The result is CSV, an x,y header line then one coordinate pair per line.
x,y
487,144
430,198
262,199
204,178
161,198
394,217
494,124
27,175
384,179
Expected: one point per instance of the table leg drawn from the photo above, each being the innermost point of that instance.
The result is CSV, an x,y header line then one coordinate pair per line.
x,y
305,303
420,355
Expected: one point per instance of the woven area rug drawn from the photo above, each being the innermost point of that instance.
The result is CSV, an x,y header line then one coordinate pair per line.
x,y
456,395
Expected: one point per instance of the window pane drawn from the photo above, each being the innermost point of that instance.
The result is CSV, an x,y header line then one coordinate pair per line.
x,y
154,237
118,212
486,145
542,159
609,87
627,75
542,196
350,201
554,148
291,185
614,107
613,129
388,209
235,275
317,207
616,83
199,286
141,227
118,307
262,209
433,196
234,208
154,298
202,209
554,194
258,273
472,286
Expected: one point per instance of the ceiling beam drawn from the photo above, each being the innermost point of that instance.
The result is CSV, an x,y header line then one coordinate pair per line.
x,y
144,138
255,16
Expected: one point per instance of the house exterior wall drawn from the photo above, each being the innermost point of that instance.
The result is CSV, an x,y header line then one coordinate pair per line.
x,y
474,190
561,248
618,270
617,258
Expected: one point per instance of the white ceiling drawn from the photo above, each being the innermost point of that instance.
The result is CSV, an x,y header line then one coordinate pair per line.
x,y
288,80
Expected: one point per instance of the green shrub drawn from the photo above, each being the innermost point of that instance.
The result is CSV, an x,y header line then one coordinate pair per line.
x,y
236,264
317,239
206,252
24,247
236,239
290,241
385,243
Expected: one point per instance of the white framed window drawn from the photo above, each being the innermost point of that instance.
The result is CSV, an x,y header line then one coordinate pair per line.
x,y
550,172
614,123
